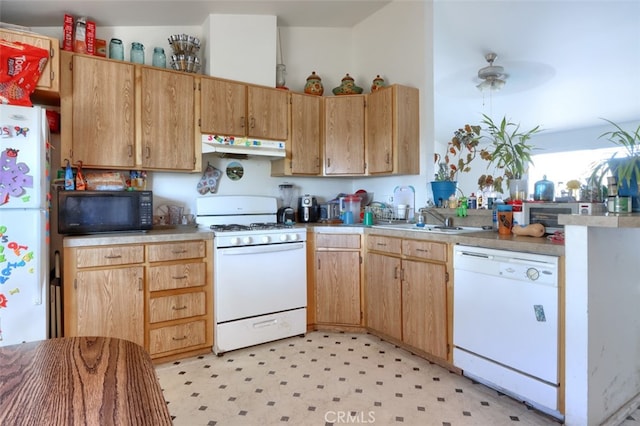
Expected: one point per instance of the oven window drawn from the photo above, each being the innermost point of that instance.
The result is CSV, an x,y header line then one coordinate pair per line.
x,y
546,216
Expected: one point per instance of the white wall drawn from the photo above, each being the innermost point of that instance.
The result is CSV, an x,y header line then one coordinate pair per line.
x,y
602,345
241,47
396,43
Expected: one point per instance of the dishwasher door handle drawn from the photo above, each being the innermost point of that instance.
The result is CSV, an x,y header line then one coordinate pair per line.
x,y
472,254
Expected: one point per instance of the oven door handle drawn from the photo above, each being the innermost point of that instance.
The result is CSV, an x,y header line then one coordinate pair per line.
x,y
273,248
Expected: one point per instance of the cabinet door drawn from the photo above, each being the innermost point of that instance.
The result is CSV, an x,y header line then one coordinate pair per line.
x,y
383,295
344,135
268,113
424,307
49,78
223,107
305,134
406,115
338,287
167,120
103,113
380,131
110,303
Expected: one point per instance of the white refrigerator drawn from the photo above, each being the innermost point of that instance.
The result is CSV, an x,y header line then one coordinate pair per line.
x,y
24,224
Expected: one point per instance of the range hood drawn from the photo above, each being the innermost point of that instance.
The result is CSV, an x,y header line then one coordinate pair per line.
x,y
244,146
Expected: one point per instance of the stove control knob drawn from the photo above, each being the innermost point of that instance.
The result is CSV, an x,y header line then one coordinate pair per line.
x,y
266,239
235,241
283,237
293,237
247,240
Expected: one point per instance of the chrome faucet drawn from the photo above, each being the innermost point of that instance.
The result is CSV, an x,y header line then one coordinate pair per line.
x,y
446,221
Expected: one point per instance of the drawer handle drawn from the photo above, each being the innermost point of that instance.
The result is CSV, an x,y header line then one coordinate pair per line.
x,y
422,250
113,256
395,273
179,251
179,338
179,309
381,244
183,277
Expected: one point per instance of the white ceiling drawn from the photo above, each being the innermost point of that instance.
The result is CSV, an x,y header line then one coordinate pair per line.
x,y
296,13
570,62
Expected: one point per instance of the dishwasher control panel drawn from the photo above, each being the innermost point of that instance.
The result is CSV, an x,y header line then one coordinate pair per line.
x,y
517,266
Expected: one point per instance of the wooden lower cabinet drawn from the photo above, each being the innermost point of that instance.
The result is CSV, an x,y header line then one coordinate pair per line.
x,y
384,295
336,277
110,302
424,307
157,295
104,292
406,292
338,287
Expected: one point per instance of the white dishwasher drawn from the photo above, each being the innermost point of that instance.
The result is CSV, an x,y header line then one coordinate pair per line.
x,y
505,323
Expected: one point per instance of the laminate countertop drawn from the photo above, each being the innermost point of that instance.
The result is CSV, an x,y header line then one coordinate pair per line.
x,y
160,234
80,381
489,239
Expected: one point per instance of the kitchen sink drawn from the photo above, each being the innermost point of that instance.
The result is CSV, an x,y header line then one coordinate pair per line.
x,y
435,229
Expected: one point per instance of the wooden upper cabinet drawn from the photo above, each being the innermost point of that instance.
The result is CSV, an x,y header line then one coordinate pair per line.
x,y
223,109
268,113
344,132
305,134
167,120
237,109
50,78
393,131
103,113
380,131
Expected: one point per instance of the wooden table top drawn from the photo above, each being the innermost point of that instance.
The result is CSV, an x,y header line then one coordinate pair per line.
x,y
80,381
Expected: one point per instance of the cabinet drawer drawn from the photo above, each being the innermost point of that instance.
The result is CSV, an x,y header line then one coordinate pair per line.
x,y
177,337
344,241
169,277
109,255
177,306
384,244
425,250
176,251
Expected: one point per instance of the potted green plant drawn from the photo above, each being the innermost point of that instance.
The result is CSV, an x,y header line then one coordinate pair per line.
x,y
510,153
461,151
626,169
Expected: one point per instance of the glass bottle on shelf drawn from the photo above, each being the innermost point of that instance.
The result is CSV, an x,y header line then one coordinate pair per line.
x,y
137,53
159,59
116,50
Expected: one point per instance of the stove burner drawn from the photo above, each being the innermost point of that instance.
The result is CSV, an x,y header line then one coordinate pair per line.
x,y
230,227
267,226
251,227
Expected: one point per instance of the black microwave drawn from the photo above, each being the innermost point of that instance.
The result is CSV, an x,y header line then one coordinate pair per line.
x,y
88,212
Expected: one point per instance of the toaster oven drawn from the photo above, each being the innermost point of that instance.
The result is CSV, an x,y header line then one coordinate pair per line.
x,y
547,213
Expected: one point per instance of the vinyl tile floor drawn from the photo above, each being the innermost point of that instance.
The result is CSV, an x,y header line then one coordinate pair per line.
x,y
328,379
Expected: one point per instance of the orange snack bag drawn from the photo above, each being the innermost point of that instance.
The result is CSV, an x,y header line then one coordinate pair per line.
x,y
20,68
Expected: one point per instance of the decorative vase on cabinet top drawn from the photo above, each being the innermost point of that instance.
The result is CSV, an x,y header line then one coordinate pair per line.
x,y
378,83
348,87
314,85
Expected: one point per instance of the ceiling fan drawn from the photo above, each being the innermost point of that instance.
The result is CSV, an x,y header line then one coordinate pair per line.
x,y
493,76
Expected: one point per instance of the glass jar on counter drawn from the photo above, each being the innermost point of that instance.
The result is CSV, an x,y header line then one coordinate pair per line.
x,y
159,59
137,53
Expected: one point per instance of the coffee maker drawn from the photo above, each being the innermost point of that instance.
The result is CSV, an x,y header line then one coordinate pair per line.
x,y
308,209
